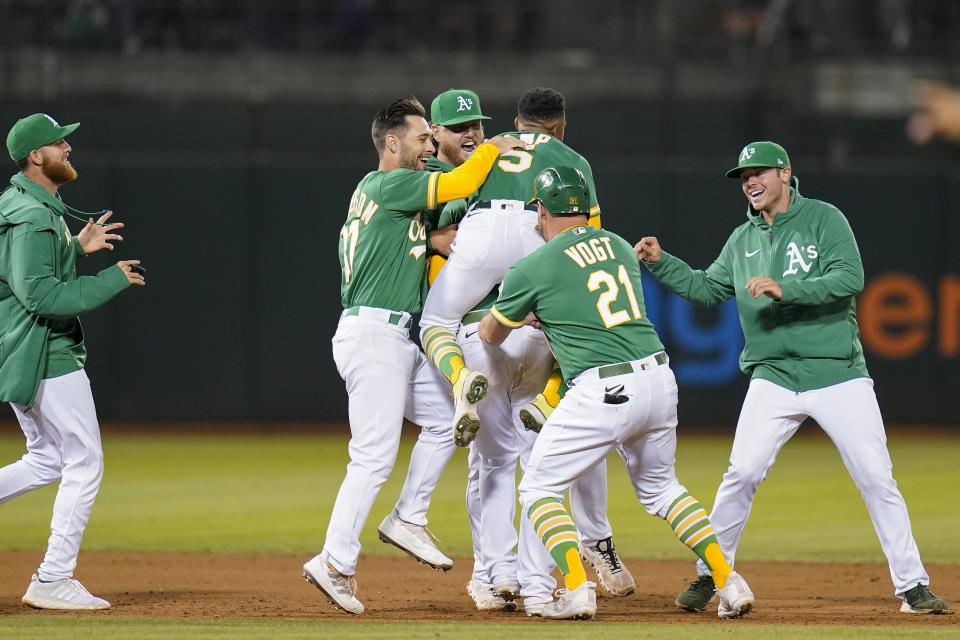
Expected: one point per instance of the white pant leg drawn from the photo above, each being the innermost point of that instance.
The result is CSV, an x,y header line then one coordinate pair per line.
x,y
516,372
40,465
481,571
487,244
769,417
588,505
376,361
849,414
429,405
63,416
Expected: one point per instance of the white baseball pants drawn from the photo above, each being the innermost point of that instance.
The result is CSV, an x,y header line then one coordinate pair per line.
x,y
387,378
849,414
63,444
584,429
488,242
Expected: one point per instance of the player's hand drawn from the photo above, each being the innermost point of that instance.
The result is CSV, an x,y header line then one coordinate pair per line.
x,y
764,286
442,239
648,249
506,143
132,276
532,320
96,236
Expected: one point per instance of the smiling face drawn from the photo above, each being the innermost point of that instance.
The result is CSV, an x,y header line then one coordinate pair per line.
x,y
415,146
767,188
456,142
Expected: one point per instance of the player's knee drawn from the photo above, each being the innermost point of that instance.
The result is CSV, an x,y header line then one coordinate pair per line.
x,y
46,466
745,474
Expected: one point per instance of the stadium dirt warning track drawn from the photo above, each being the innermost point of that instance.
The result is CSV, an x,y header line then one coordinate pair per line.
x,y
168,585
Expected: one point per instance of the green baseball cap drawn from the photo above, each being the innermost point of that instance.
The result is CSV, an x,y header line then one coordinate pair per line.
x,y
455,106
760,154
34,132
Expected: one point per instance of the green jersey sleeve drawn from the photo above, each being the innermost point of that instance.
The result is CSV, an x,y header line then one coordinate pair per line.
x,y
517,299
409,191
842,268
711,286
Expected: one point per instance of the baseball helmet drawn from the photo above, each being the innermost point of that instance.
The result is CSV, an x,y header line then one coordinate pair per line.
x,y
562,190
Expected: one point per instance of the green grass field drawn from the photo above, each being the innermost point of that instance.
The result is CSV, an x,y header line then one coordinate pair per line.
x,y
254,493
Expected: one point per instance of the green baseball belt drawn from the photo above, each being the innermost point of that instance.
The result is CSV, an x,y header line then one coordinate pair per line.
x,y
610,370
474,316
395,317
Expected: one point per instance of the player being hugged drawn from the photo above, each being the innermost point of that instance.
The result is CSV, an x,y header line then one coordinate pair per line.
x,y
583,286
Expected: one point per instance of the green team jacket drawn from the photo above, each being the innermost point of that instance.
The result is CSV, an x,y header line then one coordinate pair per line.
x,y
810,338
40,293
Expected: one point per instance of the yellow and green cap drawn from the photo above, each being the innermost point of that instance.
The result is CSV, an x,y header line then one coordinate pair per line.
x,y
760,154
455,106
33,132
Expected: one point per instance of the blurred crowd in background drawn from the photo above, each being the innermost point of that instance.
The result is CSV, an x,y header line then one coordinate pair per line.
x,y
692,28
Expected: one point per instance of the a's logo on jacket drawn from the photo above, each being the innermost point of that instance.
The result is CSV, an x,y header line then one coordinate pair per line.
x,y
796,254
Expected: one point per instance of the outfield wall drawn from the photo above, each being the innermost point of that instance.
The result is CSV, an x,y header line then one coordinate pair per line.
x,y
235,212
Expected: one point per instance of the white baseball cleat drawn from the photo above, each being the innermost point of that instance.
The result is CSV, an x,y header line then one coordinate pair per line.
x,y
469,389
486,600
341,590
578,604
414,540
65,593
736,599
611,572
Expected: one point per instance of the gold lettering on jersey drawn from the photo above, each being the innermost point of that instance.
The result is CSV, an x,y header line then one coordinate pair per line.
x,y
417,233
369,211
542,138
598,250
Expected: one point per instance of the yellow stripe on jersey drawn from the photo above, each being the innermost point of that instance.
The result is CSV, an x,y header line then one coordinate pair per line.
x,y
504,320
432,189
467,178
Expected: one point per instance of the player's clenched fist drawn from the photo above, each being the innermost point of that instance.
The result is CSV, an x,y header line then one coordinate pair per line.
x,y
648,249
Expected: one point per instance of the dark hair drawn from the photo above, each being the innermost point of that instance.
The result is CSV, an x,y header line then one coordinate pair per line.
x,y
541,104
392,118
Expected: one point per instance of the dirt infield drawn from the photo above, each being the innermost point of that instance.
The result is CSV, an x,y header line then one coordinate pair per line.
x,y
392,588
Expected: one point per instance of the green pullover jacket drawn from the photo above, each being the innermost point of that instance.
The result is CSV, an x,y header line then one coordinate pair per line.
x,y
810,338
40,293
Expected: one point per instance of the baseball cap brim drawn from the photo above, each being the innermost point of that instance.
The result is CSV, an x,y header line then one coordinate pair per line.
x,y
735,172
461,119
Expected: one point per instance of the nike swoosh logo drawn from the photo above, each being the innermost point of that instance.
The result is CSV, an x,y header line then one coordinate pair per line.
x,y
617,388
750,254
470,334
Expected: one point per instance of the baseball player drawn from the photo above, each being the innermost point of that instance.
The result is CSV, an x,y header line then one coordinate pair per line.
x,y
518,369
382,258
794,269
583,286
43,351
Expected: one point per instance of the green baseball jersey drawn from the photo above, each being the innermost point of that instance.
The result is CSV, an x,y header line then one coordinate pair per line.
x,y
512,175
383,241
810,338
584,287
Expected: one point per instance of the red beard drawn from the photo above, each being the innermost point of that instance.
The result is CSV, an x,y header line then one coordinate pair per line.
x,y
58,171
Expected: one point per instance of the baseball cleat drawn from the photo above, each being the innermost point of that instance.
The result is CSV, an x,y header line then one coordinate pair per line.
x,y
340,590
413,539
486,600
578,604
469,389
736,599
535,413
66,594
921,600
534,608
611,572
696,597
508,589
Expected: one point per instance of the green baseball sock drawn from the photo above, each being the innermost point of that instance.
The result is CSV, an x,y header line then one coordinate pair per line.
x,y
556,530
691,525
444,351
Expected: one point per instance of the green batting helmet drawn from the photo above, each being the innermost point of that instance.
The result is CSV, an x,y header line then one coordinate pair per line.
x,y
563,191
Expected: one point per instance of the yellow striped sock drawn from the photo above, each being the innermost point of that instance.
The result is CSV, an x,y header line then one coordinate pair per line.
x,y
556,530
444,351
691,525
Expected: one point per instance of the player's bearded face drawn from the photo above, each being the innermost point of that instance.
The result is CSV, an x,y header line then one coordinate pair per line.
x,y
457,141
56,167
